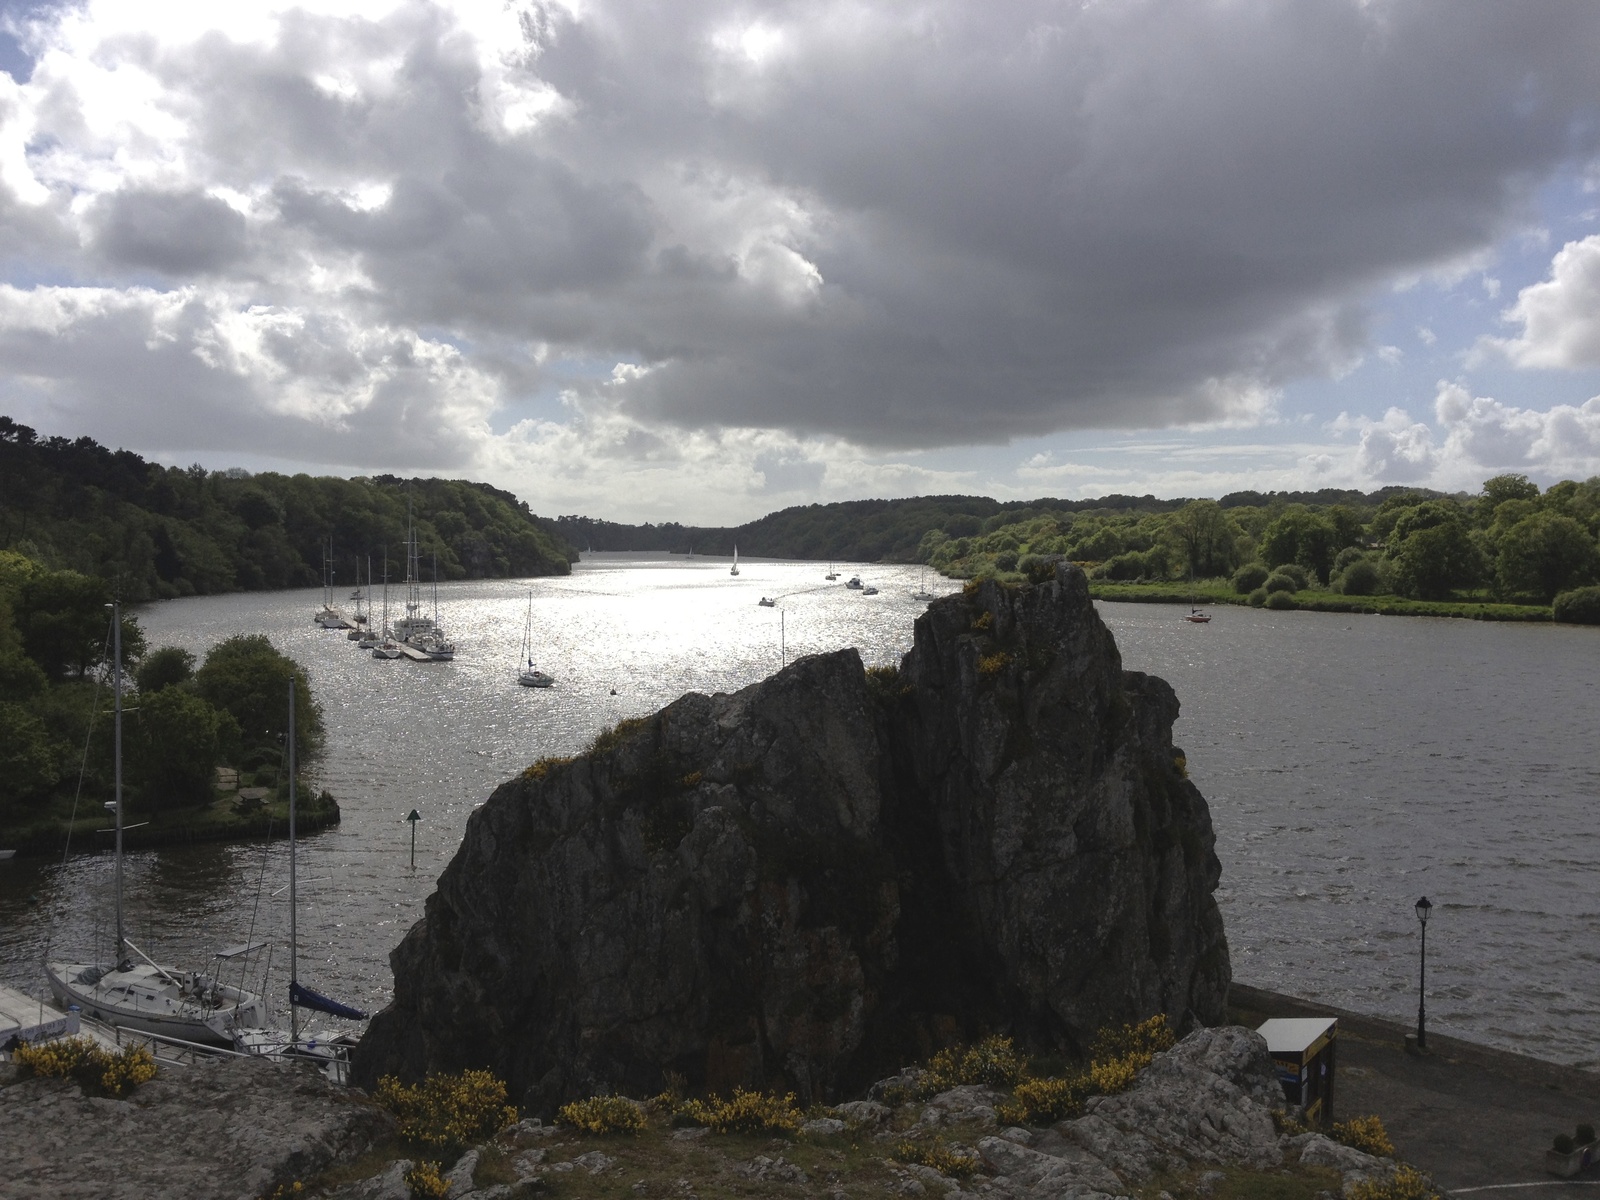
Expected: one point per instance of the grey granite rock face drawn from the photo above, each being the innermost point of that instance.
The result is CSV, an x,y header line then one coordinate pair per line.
x,y
818,878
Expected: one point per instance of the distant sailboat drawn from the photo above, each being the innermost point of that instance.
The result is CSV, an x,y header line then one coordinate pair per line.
x,y
832,574
922,592
385,649
530,675
735,570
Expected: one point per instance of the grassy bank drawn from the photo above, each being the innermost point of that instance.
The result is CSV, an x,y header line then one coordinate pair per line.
x,y
46,832
1218,592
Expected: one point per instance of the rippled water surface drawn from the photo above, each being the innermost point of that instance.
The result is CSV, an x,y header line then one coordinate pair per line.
x,y
1352,765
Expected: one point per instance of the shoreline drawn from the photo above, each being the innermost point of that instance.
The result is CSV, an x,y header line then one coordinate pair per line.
x,y
187,828
1248,1003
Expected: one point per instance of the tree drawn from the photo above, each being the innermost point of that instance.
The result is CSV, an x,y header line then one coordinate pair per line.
x,y
1207,538
173,748
28,769
164,668
1545,554
248,678
1432,561
1301,536
1501,488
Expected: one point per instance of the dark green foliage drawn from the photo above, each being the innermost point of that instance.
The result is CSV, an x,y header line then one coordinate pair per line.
x,y
1281,600
247,678
1581,606
170,747
28,758
150,531
1360,578
1258,597
164,668
1208,538
1544,554
1249,577
1301,536
1562,1144
1432,551
1279,582
1584,1135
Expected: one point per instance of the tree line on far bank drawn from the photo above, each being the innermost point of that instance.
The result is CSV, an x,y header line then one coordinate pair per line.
x,y
159,532
1511,543
181,720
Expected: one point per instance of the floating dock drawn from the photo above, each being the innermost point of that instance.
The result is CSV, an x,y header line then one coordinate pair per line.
x,y
413,653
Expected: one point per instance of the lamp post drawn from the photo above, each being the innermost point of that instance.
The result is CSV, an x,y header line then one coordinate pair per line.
x,y
1423,909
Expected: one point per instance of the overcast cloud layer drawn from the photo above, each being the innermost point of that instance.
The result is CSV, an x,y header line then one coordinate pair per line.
x,y
697,260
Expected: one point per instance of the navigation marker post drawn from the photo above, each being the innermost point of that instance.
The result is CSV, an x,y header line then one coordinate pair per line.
x,y
1424,907
413,816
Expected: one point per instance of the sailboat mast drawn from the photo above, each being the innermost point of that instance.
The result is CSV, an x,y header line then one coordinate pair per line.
x,y
116,686
294,977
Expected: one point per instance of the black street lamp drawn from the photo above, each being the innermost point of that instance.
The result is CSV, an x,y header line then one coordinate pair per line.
x,y
1423,909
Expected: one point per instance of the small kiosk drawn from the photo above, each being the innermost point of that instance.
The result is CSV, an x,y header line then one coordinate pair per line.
x,y
1302,1049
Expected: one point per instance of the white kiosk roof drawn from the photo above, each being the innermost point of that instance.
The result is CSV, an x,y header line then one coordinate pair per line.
x,y
1294,1035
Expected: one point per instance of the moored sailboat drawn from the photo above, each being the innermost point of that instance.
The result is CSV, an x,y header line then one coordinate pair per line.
x,y
138,993
530,675
331,1050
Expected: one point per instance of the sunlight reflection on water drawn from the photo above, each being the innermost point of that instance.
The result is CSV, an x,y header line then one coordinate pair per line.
x,y
1352,764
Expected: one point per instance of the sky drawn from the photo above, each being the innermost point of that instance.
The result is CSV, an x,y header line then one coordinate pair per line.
x,y
700,261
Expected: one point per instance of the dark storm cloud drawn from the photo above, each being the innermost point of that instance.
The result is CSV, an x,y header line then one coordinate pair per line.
x,y
905,225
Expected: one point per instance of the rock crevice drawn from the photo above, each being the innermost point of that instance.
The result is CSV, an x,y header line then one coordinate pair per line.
x,y
829,873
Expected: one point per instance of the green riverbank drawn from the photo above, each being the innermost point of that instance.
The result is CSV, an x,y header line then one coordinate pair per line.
x,y
1217,592
227,819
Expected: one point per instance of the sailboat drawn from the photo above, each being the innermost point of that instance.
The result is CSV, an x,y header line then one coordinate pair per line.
x,y
183,1005
373,634
359,632
922,592
433,643
832,574
329,617
385,647
414,623
331,1050
1195,616
735,570
530,675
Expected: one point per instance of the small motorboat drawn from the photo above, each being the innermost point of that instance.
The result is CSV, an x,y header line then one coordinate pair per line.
x,y
765,603
853,583
1196,617
871,591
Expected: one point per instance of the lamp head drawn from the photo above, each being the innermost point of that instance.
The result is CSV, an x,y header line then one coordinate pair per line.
x,y
1423,909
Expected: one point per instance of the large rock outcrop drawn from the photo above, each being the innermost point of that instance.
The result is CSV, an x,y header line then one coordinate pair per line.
x,y
826,874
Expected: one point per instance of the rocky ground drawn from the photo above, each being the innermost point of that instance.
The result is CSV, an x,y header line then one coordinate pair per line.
x,y
1200,1121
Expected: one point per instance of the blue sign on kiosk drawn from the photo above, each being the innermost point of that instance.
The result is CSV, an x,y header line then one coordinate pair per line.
x,y
1302,1049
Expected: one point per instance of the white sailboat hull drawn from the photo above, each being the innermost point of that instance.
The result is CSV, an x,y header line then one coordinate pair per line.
x,y
174,1004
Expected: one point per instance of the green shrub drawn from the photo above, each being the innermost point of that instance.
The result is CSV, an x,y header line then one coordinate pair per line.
x,y
81,1059
602,1114
1041,1101
745,1112
424,1182
994,1061
1296,572
449,1112
1360,578
1407,1183
1581,606
1281,581
938,1156
1249,577
1366,1134
1281,600
1258,597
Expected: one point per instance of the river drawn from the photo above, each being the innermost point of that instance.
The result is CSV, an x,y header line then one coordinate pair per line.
x,y
1352,764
